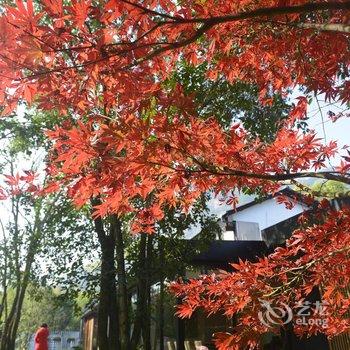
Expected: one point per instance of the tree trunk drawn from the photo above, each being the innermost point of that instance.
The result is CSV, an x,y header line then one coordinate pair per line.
x,y
141,294
124,321
8,339
4,251
146,324
108,321
161,295
12,319
3,300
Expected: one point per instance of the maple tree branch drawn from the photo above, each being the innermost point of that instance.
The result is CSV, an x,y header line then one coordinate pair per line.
x,y
175,45
152,12
259,12
20,66
30,34
156,52
327,27
207,24
326,175
287,176
155,27
73,48
225,171
323,27
276,11
85,64
299,272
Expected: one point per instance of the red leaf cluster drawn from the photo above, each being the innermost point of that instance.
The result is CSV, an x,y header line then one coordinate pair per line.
x,y
27,184
315,256
131,137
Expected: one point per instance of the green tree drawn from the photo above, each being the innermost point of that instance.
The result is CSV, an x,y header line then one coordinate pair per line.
x,y
42,304
231,102
118,267
154,259
330,189
28,220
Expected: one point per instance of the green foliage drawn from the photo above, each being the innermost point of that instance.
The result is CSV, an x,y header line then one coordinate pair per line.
x,y
45,305
44,239
69,254
330,188
231,102
24,132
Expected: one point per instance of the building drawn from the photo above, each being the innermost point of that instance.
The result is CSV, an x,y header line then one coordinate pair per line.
x,y
89,330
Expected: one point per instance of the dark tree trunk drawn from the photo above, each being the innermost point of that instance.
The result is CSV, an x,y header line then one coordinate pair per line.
x,y
146,324
124,322
108,322
141,294
161,295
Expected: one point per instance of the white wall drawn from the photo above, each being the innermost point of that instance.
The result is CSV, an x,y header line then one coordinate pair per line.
x,y
228,236
266,214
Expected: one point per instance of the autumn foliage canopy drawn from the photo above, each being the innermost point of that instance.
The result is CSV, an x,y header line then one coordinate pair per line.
x,y
136,142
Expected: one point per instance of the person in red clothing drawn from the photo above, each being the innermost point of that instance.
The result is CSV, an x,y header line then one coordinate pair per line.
x,y
41,338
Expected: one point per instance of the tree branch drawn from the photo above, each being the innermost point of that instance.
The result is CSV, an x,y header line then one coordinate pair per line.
x,y
208,23
322,27
212,170
260,12
325,27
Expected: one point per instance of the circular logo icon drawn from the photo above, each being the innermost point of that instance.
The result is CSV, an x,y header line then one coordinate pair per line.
x,y
274,315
